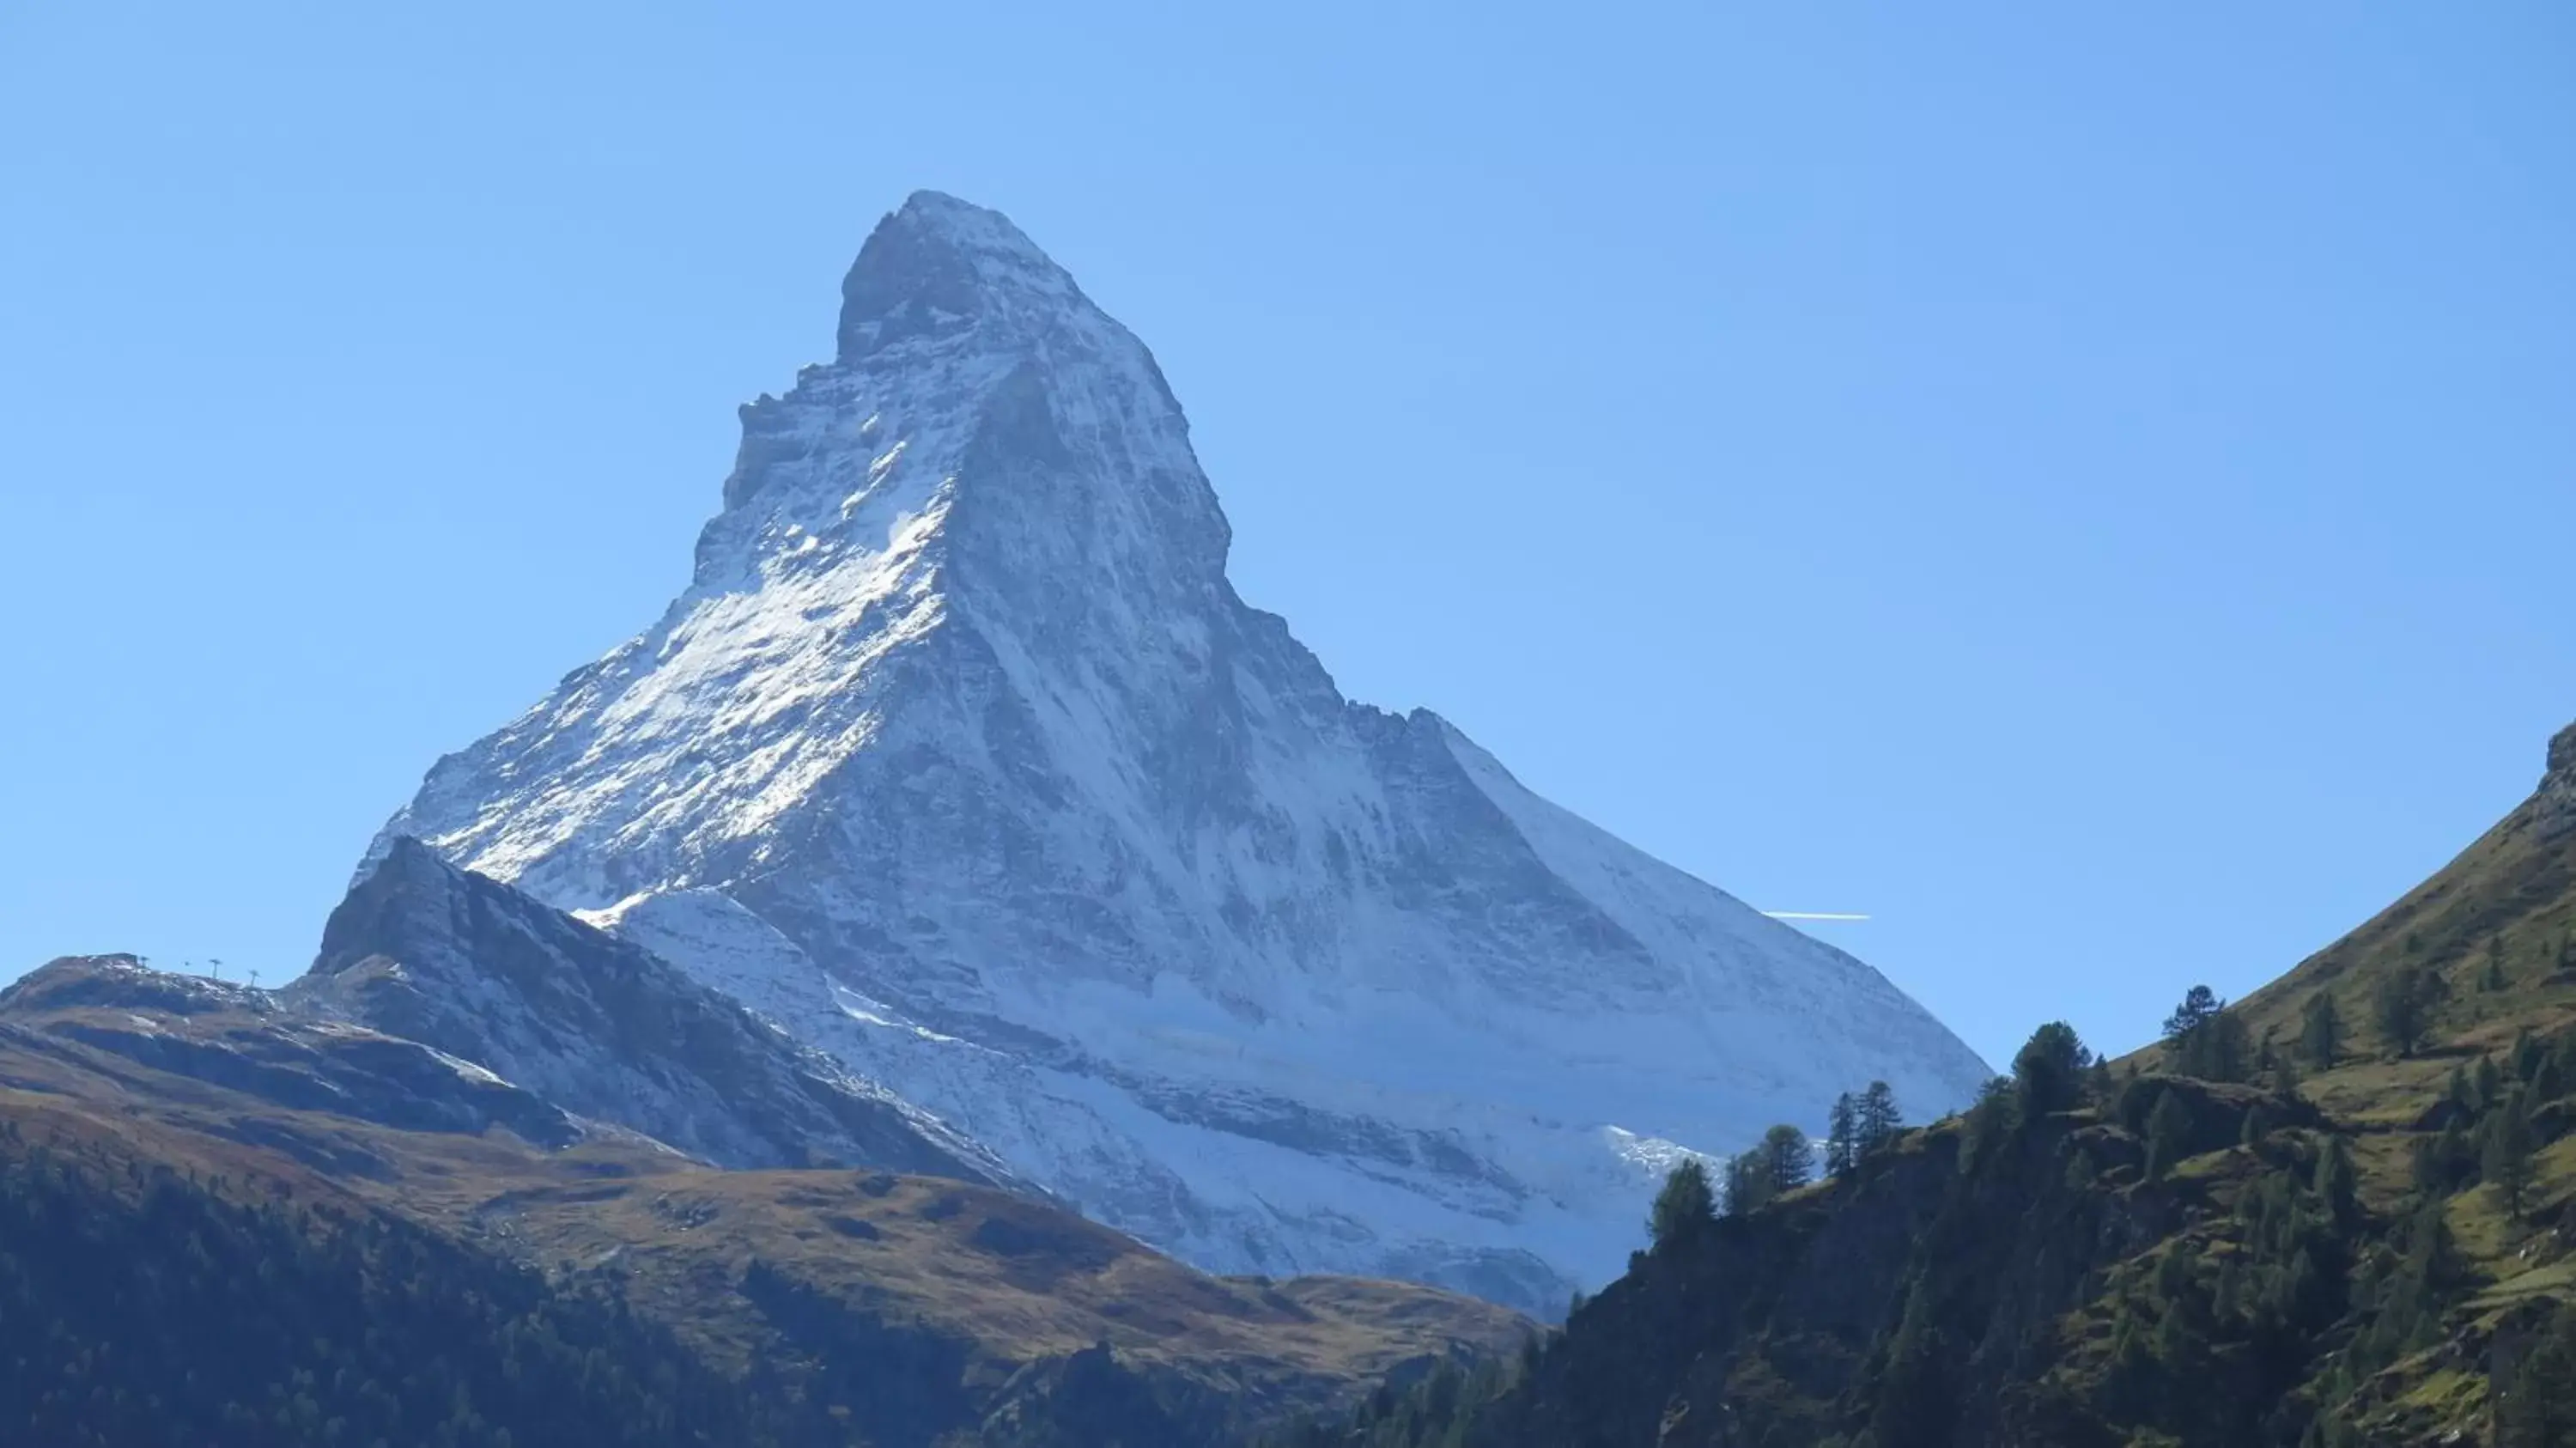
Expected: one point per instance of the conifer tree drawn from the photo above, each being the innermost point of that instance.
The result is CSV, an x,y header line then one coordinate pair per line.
x,y
2509,1146
2457,1156
1687,1202
2337,1184
2168,1134
1915,1399
2049,1070
2321,1031
2403,1006
2537,1408
1788,1159
1747,1184
1875,1120
2198,1005
2528,1055
2257,1123
1842,1126
2425,1165
2432,1254
2205,1039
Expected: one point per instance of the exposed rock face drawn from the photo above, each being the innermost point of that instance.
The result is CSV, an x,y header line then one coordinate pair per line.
x,y
597,1025
961,759
2557,798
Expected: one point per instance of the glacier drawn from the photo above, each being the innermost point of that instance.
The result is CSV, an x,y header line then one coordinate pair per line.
x,y
961,761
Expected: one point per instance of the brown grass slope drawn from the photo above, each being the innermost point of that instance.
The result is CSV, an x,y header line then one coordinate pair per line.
x,y
939,1311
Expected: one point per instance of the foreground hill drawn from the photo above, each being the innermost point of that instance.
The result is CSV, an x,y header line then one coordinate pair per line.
x,y
222,1221
2351,1223
961,760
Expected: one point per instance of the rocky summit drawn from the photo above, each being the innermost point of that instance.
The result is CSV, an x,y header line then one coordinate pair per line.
x,y
961,762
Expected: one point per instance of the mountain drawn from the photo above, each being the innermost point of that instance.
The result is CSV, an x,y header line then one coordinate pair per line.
x,y
225,1221
425,951
2352,1223
961,760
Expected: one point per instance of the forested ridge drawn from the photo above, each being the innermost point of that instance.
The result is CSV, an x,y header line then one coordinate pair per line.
x,y
140,1307
2084,1258
2340,1212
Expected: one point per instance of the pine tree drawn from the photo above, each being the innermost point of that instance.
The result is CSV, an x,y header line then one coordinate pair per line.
x,y
2173,1341
2432,1176
2049,1070
1842,1126
2403,1006
2432,1254
1988,1121
2321,1031
2507,1164
2537,1408
2227,1301
1915,1398
1875,1120
2257,1123
1747,1184
2223,1050
2177,1278
2528,1056
2457,1157
1788,1159
2168,1134
2205,1039
2492,978
2198,1005
1687,1202
2490,1083
2337,1184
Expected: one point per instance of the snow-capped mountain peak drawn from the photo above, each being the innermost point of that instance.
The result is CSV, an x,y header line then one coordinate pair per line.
x,y
961,759
941,265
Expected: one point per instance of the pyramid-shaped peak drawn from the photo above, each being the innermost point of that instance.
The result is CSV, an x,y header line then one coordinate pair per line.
x,y
938,264
963,222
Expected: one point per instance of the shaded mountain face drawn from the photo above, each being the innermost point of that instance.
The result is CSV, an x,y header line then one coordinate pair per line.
x,y
961,760
425,951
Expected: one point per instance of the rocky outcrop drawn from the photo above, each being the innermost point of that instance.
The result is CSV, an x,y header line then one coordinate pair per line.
x,y
599,1026
2556,801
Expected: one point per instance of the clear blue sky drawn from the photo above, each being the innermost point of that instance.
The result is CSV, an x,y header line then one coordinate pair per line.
x,y
2093,486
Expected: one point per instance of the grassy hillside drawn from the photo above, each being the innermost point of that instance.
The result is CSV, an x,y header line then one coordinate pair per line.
x,y
2356,1233
795,1307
